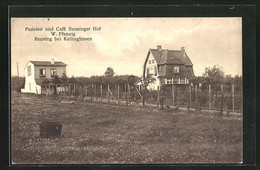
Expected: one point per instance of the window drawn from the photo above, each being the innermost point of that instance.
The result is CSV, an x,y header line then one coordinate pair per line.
x,y
151,68
176,69
53,72
155,71
42,72
182,81
147,71
29,70
149,61
152,61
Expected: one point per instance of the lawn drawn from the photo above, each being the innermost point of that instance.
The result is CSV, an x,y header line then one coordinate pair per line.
x,y
108,134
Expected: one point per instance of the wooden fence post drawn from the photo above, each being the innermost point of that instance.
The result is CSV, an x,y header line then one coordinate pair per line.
x,y
129,93
92,92
69,90
74,90
86,92
82,91
56,89
196,93
95,92
196,97
189,106
222,99
173,95
108,95
143,98
101,93
126,95
158,96
233,98
118,95
210,107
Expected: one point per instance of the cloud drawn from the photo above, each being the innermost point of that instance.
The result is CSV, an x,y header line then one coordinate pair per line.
x,y
123,43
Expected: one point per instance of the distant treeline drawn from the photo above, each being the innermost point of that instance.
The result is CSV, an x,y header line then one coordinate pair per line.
x,y
98,80
213,75
215,83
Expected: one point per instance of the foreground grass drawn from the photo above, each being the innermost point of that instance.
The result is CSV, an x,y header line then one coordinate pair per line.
x,y
104,134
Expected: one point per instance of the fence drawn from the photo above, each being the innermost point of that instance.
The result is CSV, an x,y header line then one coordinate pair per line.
x,y
217,97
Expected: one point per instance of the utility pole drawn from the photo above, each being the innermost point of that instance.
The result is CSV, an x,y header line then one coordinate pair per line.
x,y
18,73
17,70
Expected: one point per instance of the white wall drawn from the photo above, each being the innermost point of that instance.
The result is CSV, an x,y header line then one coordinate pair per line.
x,y
30,84
152,86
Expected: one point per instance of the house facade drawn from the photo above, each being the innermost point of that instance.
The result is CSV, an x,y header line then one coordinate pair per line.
x,y
38,71
168,67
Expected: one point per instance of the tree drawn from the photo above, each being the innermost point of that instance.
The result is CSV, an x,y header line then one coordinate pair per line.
x,y
238,80
56,80
64,79
46,81
145,82
214,75
132,79
148,80
73,80
17,83
109,72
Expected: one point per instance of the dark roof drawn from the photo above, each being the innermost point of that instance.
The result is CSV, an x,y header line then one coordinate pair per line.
x,y
170,57
48,63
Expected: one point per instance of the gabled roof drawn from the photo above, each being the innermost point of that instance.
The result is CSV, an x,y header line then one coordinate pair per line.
x,y
48,63
170,57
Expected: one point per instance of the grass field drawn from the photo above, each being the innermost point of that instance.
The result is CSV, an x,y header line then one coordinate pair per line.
x,y
109,134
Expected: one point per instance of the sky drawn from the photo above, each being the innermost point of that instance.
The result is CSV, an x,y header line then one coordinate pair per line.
x,y
123,43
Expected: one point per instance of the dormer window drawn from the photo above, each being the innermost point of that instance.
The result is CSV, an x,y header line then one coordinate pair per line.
x,y
176,69
42,72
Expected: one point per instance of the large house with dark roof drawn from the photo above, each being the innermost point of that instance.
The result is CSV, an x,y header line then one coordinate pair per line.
x,y
168,67
38,71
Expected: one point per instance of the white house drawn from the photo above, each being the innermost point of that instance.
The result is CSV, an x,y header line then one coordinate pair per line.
x,y
38,71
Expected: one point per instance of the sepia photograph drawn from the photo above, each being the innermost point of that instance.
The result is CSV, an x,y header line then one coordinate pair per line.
x,y
126,90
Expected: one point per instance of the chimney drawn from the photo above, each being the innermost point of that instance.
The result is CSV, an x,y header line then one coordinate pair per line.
x,y
159,47
52,60
183,51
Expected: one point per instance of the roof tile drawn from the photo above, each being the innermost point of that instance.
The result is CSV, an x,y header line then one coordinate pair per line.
x,y
170,57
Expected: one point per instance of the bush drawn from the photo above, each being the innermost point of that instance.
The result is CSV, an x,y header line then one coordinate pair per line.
x,y
17,83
